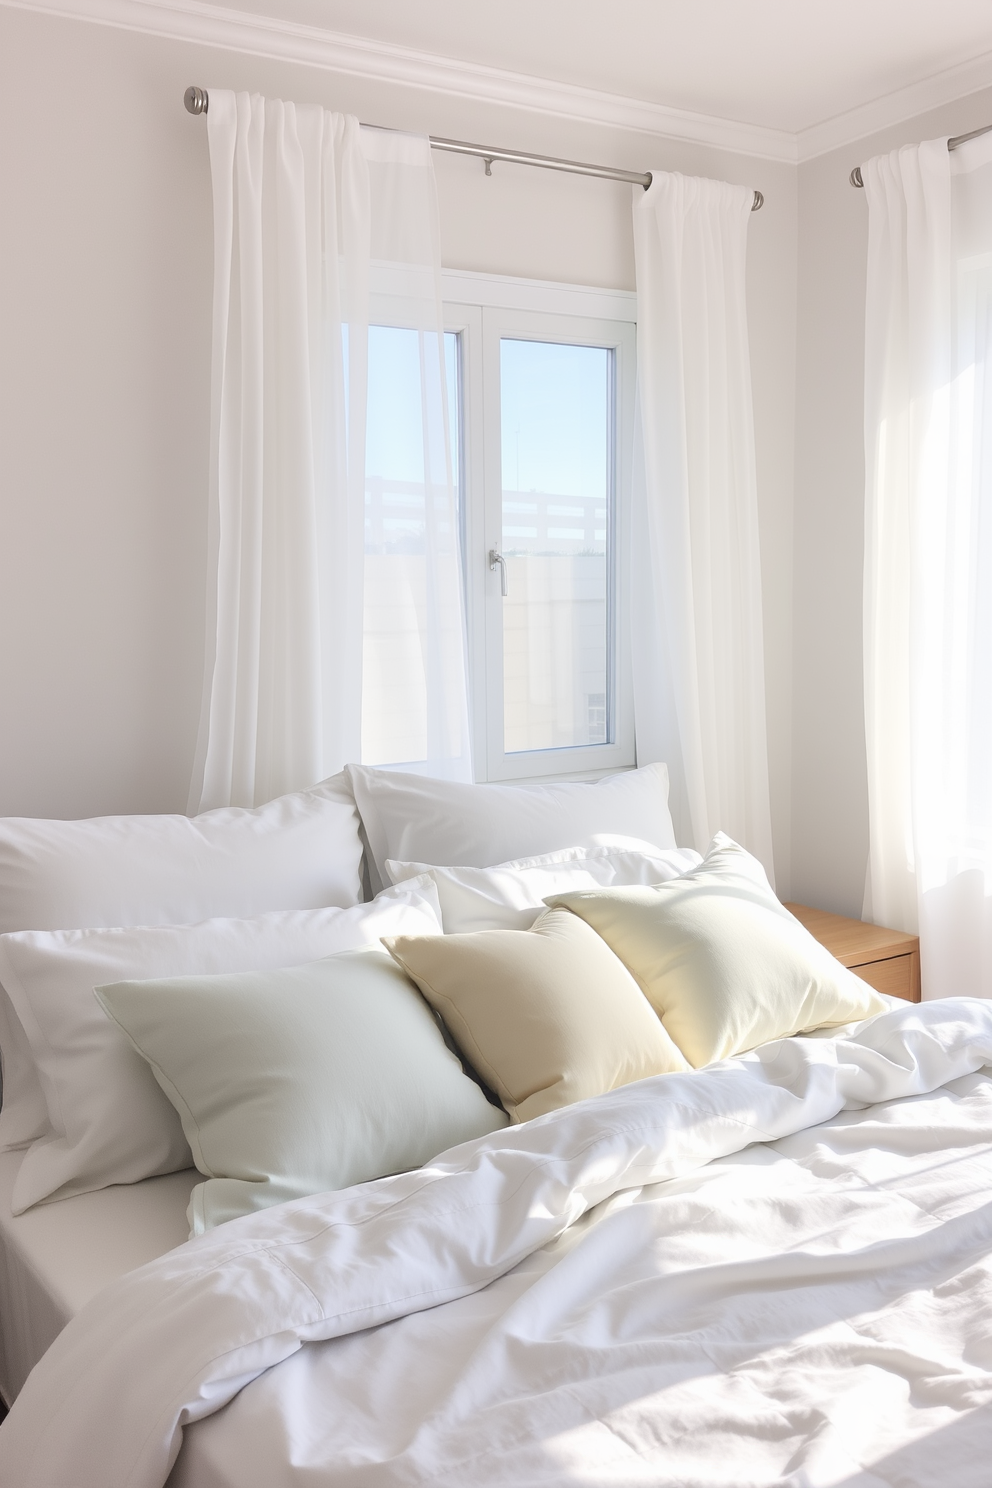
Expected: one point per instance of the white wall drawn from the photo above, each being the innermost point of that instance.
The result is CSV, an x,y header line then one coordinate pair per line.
x,y
105,242
830,808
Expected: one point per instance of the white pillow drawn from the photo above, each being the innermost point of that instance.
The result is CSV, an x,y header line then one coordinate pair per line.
x,y
110,1122
511,895
411,818
301,851
24,1114
302,1080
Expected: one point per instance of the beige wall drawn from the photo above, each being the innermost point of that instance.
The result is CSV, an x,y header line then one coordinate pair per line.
x,y
830,808
105,245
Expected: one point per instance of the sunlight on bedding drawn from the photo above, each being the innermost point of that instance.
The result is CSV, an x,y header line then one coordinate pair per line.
x,y
790,1314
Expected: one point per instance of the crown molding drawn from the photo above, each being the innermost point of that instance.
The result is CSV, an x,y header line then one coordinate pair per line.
x,y
264,36
895,108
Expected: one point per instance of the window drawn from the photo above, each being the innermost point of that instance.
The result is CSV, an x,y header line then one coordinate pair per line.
x,y
540,393
556,414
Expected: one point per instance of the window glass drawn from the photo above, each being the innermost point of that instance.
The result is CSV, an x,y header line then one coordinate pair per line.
x,y
557,425
394,692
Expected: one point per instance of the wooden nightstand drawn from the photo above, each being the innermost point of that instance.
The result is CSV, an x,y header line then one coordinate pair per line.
x,y
888,959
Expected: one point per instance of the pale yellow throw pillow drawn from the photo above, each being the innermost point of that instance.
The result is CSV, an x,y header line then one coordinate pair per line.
x,y
724,965
546,1016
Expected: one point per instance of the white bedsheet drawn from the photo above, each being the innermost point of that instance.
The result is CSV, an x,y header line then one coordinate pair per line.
x,y
817,1313
55,1257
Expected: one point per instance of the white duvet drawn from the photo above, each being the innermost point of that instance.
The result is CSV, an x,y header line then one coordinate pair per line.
x,y
582,1301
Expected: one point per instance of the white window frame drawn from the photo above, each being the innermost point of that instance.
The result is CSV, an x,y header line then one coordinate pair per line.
x,y
480,308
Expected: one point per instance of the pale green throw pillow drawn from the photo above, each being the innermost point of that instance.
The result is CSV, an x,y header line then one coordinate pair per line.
x,y
298,1081
722,962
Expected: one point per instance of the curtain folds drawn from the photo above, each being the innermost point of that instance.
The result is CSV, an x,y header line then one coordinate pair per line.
x,y
928,556
699,692
415,712
305,202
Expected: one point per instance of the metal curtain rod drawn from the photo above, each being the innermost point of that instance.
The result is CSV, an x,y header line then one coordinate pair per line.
x,y
952,144
197,101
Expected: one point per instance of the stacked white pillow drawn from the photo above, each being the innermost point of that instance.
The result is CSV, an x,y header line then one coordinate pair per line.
x,y
409,818
109,1120
301,851
511,895
132,899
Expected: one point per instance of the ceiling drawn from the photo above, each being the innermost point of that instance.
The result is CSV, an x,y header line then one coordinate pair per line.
x,y
787,65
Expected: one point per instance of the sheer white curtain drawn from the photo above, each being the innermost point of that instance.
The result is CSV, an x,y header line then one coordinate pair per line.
x,y
928,556
415,701
699,689
305,203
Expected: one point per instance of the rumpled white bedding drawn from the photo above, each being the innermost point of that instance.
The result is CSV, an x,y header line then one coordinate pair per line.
x,y
814,1313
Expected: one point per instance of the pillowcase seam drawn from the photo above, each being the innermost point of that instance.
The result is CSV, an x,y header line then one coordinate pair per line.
x,y
168,1089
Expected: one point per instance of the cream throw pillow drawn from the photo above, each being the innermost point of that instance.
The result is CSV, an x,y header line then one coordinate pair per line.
x,y
297,1081
724,965
546,1016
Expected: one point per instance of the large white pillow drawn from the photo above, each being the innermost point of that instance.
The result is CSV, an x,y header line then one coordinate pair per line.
x,y
110,1122
302,851
413,819
24,1114
302,1080
511,895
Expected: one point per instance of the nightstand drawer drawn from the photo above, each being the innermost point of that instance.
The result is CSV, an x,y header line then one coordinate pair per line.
x,y
894,976
889,960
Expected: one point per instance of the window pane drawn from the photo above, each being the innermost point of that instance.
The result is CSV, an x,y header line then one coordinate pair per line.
x,y
398,471
557,460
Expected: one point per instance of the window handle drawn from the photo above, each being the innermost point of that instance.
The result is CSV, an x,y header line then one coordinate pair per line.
x,y
495,556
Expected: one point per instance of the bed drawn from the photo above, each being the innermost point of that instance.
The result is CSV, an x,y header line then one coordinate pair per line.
x,y
56,1257
773,1268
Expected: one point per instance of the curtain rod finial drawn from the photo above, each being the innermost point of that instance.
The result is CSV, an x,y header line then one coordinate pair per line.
x,y
196,100
856,176
759,201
